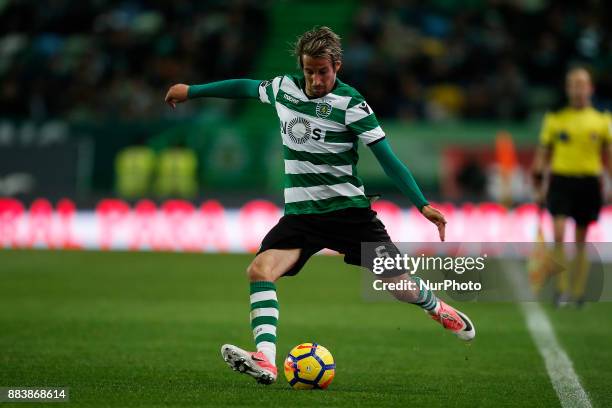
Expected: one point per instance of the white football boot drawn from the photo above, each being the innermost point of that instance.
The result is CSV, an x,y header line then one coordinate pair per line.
x,y
255,364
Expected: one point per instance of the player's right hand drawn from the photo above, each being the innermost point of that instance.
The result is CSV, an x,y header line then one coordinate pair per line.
x,y
177,94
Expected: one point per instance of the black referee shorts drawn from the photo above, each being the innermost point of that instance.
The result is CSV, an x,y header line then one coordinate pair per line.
x,y
342,231
576,197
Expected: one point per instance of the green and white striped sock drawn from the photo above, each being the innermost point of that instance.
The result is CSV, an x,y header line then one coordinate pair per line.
x,y
426,300
264,317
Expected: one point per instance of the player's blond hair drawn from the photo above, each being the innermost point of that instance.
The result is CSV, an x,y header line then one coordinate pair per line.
x,y
320,42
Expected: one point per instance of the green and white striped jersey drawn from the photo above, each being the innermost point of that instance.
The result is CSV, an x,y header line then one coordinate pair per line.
x,y
320,138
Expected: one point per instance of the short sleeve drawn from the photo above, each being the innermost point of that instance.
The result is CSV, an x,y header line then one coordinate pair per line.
x,y
268,90
546,134
361,120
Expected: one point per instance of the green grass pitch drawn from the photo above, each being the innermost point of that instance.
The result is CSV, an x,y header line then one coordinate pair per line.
x,y
145,330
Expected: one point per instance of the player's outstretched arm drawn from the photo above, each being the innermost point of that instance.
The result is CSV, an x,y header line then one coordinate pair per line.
x,y
404,180
230,89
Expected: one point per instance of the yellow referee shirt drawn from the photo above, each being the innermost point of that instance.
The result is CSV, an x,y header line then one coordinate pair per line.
x,y
576,137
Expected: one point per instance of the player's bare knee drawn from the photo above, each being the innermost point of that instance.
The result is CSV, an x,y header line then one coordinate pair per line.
x,y
259,271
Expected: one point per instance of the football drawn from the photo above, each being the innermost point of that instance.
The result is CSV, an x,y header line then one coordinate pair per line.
x,y
308,366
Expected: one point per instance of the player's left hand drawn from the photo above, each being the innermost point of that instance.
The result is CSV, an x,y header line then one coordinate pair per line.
x,y
435,217
177,94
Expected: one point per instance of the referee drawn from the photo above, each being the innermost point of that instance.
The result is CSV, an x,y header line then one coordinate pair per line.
x,y
572,143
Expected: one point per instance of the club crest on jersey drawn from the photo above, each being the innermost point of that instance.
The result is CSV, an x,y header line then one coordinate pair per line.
x,y
299,130
323,109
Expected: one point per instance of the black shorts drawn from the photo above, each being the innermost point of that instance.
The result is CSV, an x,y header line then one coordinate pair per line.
x,y
576,197
342,231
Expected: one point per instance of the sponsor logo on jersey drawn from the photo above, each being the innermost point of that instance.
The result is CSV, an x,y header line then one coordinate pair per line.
x,y
323,109
299,130
291,98
364,107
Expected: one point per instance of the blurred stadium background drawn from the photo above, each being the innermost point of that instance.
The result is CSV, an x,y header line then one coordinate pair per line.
x,y
460,87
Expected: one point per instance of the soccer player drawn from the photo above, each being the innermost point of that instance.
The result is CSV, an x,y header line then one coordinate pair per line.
x,y
321,121
572,142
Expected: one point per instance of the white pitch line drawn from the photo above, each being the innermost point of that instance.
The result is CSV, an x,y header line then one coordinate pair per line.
x,y
558,364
